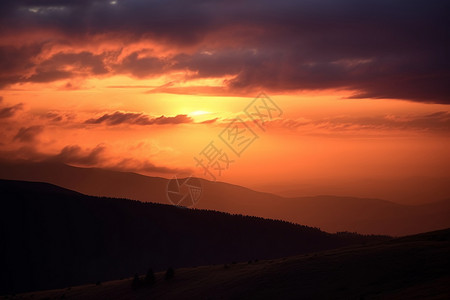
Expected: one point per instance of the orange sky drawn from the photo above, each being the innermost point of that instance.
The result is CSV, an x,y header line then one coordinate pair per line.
x,y
111,96
320,136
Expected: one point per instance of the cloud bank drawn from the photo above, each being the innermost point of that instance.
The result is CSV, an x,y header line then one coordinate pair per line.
x,y
378,49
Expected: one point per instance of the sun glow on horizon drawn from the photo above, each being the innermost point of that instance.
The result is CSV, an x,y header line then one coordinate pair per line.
x,y
199,113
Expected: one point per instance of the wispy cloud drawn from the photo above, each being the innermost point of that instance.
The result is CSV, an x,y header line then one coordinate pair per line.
x,y
28,134
434,122
118,117
9,111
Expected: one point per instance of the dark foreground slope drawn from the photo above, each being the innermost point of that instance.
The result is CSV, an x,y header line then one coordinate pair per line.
x,y
414,267
52,237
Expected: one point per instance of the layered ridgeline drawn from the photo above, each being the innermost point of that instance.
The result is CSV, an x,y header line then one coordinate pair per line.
x,y
329,213
53,237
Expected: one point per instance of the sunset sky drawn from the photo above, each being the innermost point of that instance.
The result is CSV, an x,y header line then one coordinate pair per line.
x,y
363,88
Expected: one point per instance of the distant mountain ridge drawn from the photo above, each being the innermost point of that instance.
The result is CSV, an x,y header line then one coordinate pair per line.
x,y
330,213
53,237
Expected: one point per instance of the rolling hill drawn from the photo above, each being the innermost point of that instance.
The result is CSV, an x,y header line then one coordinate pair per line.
x,y
413,267
53,237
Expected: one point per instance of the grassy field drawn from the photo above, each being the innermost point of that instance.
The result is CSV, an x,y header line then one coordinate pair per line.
x,y
414,267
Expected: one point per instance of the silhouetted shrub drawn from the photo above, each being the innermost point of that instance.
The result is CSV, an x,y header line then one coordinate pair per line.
x,y
170,273
150,277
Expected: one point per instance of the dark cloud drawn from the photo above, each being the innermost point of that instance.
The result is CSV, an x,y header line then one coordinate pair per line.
x,y
217,63
141,66
16,62
49,76
82,61
9,111
21,64
81,64
156,19
52,116
378,48
75,155
28,134
118,117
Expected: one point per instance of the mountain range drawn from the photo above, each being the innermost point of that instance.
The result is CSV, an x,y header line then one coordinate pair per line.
x,y
53,237
329,213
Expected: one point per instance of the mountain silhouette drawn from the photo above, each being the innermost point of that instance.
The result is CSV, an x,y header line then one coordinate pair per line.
x,y
329,213
53,237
